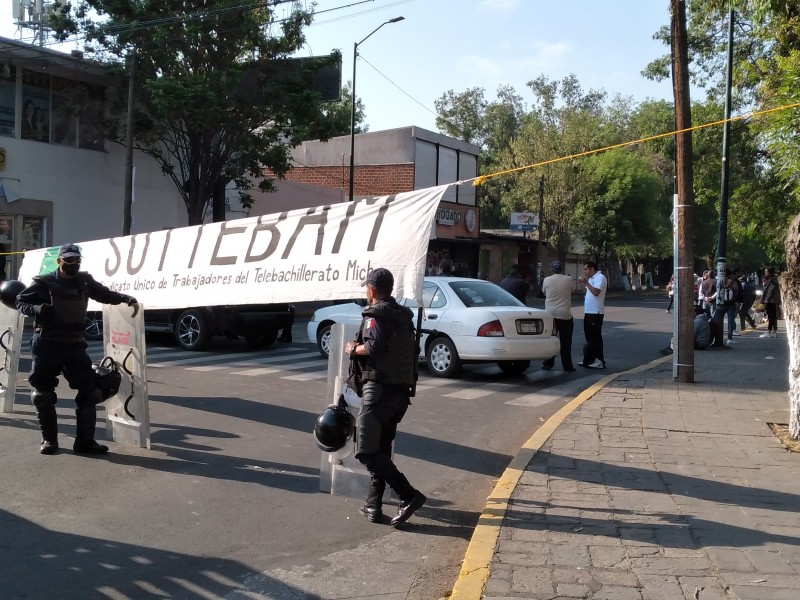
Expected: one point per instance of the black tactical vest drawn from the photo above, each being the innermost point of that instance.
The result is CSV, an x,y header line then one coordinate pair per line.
x,y
395,367
67,321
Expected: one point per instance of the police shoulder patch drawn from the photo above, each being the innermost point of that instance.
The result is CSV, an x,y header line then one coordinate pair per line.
x,y
370,323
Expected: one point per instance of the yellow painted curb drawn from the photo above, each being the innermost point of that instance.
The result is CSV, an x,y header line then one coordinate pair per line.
x,y
480,552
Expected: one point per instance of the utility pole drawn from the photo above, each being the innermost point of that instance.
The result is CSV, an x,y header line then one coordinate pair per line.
x,y
540,249
127,214
722,239
683,343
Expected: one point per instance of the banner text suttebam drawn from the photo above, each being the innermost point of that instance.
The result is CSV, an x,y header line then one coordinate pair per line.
x,y
321,253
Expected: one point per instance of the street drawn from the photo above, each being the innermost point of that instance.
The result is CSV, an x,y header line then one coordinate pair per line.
x,y
226,504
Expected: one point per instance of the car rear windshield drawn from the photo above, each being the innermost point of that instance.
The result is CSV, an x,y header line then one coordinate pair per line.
x,y
481,294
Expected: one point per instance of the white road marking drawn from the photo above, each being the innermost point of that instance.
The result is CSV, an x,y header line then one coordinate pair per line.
x,y
292,367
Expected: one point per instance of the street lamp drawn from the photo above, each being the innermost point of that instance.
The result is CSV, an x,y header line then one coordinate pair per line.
x,y
353,102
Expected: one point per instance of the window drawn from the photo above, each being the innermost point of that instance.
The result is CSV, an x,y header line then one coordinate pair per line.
x,y
35,106
473,293
8,96
65,119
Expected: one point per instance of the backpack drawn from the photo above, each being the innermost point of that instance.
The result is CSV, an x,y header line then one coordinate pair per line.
x,y
726,295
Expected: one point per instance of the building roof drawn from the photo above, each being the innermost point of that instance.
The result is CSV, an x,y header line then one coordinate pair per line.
x,y
54,62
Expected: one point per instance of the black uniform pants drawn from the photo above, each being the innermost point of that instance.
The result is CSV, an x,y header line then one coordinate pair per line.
x,y
382,410
564,327
51,359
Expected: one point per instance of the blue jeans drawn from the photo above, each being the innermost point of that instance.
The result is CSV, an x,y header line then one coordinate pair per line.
x,y
729,310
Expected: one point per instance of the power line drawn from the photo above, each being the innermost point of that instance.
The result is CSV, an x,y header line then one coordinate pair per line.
x,y
397,86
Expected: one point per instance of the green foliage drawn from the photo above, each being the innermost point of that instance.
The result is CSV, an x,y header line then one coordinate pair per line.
x,y
765,152
621,211
462,115
216,96
335,118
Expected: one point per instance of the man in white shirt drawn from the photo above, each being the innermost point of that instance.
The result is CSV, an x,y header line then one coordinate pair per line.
x,y
595,284
557,290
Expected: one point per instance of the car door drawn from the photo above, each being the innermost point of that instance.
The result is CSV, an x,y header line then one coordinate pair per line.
x,y
435,306
437,310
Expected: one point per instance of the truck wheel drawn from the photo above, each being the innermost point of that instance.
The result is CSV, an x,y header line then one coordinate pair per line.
x,y
192,331
94,326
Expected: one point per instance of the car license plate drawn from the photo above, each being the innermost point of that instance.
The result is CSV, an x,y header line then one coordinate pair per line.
x,y
529,327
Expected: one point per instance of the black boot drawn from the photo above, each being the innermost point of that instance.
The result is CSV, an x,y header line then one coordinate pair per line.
x,y
85,424
48,423
373,507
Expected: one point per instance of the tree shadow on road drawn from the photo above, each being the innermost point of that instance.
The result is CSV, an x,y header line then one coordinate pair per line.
x,y
42,563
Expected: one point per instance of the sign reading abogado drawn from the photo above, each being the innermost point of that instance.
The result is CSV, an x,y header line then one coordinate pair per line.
x,y
321,253
456,220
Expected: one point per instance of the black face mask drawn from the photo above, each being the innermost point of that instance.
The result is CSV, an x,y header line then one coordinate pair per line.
x,y
71,269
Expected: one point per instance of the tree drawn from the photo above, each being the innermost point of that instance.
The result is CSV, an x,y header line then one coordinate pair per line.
x,y
217,98
336,118
620,212
491,125
564,120
790,293
462,115
766,68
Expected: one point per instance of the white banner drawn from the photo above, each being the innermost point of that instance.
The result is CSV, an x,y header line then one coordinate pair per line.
x,y
321,253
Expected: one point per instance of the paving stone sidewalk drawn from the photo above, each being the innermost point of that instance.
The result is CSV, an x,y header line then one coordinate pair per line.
x,y
659,490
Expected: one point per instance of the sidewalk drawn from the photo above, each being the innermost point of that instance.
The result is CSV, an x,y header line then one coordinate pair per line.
x,y
643,488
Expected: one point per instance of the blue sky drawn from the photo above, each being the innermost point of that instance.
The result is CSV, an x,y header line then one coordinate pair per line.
x,y
459,44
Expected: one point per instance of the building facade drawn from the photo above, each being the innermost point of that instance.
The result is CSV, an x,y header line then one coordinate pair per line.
x,y
390,162
60,180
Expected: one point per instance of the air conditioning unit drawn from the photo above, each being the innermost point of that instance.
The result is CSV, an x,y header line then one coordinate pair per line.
x,y
18,8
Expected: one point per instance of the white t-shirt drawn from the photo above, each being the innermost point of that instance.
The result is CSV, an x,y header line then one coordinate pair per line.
x,y
557,290
595,305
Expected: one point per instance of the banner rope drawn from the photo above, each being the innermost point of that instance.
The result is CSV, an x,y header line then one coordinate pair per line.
x,y
476,181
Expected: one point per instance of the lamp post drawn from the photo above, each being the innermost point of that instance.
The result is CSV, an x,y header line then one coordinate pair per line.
x,y
353,102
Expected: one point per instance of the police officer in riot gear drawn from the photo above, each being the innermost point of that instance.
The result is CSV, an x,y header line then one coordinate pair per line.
x,y
57,303
385,351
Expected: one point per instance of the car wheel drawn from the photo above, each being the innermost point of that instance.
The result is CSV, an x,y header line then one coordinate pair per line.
x,y
443,360
263,338
94,326
324,341
192,330
514,367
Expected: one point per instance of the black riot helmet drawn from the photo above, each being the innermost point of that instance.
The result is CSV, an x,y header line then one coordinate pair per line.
x,y
333,428
107,378
9,290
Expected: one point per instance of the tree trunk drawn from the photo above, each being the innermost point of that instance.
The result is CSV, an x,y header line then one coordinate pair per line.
x,y
790,294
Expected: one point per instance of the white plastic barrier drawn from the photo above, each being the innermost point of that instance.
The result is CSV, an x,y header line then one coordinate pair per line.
x,y
340,473
11,329
127,413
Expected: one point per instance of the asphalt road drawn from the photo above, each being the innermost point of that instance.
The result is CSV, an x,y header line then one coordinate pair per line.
x,y
226,503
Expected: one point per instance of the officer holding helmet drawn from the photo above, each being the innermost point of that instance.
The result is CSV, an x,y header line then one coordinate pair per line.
x,y
57,302
385,350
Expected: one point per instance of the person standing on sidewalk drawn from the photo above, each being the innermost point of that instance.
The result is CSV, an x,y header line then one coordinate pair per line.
x,y
557,290
595,284
671,292
386,352
771,298
57,303
708,291
748,298
726,303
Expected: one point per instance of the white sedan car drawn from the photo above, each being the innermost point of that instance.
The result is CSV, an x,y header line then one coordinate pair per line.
x,y
463,321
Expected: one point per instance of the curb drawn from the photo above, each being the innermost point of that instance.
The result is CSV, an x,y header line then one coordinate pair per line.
x,y
480,552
